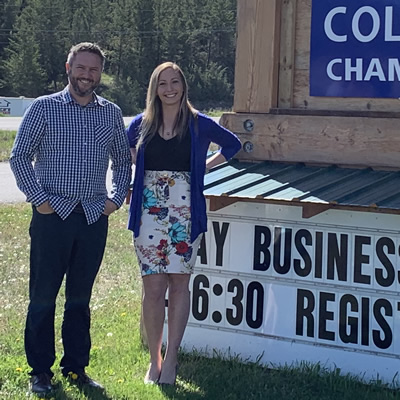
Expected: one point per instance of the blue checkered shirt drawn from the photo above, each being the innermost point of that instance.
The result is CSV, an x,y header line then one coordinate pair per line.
x,y
62,152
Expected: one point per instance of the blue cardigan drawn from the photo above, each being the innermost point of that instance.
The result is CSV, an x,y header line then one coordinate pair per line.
x,y
207,131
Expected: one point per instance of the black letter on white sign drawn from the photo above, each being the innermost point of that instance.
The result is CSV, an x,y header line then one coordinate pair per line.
x,y
202,251
262,241
220,237
305,312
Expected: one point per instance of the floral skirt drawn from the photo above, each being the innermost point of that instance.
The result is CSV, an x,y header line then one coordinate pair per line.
x,y
163,245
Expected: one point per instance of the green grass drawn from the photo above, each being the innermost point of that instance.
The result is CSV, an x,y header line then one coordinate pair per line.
x,y
118,359
214,112
6,143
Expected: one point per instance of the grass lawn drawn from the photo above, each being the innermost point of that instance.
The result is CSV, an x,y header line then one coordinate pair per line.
x,y
118,359
6,143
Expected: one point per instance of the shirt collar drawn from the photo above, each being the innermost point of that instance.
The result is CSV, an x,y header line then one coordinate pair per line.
x,y
97,100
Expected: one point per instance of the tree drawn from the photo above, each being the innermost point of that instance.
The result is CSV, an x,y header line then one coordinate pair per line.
x,y
50,34
148,50
10,10
137,35
22,71
122,39
222,41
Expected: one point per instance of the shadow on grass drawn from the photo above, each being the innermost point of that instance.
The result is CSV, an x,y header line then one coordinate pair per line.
x,y
95,394
201,377
61,392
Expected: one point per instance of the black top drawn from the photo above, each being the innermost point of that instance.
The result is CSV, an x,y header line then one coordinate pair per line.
x,y
168,155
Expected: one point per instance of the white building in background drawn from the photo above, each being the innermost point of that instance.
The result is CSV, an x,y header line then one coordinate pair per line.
x,y
14,106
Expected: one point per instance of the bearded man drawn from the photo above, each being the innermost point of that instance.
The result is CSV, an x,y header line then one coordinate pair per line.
x,y
60,159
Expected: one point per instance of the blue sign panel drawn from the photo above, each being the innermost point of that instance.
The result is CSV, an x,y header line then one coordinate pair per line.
x,y
355,48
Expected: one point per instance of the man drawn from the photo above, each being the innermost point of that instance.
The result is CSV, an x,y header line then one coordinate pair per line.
x,y
70,136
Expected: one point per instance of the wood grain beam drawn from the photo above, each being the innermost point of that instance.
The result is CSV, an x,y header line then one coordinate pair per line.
x,y
257,55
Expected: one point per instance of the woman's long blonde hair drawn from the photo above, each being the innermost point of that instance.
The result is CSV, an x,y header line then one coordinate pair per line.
x,y
152,116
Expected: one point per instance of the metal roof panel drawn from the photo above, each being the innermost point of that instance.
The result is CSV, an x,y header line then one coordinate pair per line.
x,y
302,183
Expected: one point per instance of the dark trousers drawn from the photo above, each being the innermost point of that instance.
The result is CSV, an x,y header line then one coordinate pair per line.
x,y
70,248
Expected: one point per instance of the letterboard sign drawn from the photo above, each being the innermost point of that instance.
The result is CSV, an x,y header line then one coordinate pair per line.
x,y
283,289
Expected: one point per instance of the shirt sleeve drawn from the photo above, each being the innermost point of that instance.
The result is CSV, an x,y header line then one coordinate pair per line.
x,y
133,131
229,143
27,142
121,164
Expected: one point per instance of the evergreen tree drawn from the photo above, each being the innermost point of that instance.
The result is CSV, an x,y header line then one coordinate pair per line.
x,y
147,39
122,53
50,33
172,27
137,35
222,40
22,71
9,12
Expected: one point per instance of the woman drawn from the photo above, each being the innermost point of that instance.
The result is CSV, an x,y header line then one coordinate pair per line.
x,y
169,144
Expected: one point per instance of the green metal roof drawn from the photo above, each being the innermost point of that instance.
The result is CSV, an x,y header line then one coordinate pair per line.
x,y
300,183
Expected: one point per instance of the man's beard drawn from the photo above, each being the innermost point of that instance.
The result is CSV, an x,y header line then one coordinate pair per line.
x,y
74,82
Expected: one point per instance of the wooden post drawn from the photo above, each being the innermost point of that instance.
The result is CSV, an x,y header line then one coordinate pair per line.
x,y
286,56
273,112
257,56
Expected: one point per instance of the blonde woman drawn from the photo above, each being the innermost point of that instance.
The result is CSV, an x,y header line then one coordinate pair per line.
x,y
169,143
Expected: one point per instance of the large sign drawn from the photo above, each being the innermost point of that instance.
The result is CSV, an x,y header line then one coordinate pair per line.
x,y
355,48
286,289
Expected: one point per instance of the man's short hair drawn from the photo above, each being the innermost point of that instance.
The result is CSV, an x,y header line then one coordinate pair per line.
x,y
86,46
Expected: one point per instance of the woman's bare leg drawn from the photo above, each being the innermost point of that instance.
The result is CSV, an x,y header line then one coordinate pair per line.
x,y
154,288
178,314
